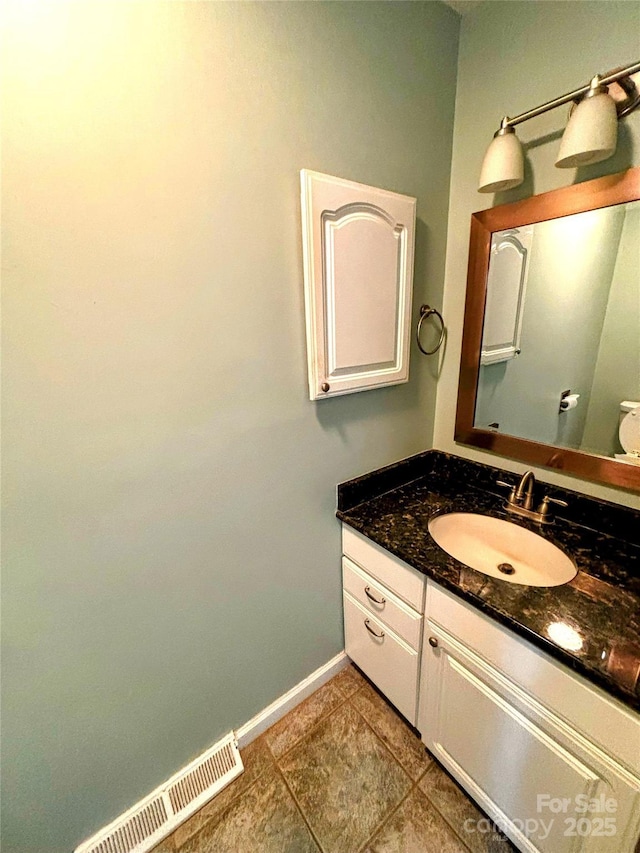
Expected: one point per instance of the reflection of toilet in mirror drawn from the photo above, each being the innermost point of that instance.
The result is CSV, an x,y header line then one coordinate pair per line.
x,y
629,432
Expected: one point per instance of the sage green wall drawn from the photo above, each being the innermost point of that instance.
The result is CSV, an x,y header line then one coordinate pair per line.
x,y
171,556
514,56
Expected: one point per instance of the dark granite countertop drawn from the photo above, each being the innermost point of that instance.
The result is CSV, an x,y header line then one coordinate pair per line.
x,y
392,507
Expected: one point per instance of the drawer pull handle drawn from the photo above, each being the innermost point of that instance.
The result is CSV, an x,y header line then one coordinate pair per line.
x,y
371,631
367,592
433,642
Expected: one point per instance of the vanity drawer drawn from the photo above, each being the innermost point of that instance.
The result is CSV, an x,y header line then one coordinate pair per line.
x,y
405,582
387,660
387,607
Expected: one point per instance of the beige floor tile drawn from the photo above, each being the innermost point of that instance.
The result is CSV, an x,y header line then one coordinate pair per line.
x,y
256,759
348,681
166,846
345,780
416,827
297,723
393,730
264,819
461,813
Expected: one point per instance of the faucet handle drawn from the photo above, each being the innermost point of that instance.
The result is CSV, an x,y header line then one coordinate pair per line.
x,y
547,500
544,506
512,496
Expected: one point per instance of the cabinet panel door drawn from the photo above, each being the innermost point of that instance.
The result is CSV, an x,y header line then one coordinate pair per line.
x,y
388,661
528,771
358,272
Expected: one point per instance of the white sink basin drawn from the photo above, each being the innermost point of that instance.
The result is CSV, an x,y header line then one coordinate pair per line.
x,y
502,549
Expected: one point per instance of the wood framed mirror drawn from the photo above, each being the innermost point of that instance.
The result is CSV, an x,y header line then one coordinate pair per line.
x,y
551,338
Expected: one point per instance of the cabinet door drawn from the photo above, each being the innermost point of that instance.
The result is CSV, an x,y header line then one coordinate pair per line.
x,y
358,273
527,769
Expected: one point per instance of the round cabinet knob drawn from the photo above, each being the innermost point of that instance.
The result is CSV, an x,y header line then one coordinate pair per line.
x,y
433,642
325,387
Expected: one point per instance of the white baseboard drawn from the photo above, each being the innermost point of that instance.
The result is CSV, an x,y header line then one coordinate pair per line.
x,y
285,703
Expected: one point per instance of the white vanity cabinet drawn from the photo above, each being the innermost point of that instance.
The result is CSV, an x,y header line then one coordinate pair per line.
x,y
383,619
531,742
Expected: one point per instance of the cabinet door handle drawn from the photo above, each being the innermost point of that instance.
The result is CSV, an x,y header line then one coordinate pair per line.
x,y
367,592
433,642
371,631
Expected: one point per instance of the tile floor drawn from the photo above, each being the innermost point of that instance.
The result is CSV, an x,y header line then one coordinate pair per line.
x,y
341,773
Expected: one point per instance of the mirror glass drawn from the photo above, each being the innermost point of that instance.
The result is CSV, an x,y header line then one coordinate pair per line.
x,y
550,360
560,345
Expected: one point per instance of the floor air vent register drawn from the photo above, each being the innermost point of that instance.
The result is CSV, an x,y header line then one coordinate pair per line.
x,y
158,814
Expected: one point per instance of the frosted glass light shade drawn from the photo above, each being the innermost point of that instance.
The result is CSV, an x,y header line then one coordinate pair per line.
x,y
591,134
503,164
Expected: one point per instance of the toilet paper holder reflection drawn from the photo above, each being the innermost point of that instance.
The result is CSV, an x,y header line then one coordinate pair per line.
x,y
568,401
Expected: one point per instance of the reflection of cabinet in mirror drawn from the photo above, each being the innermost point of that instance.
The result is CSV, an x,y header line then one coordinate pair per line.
x,y
506,286
358,272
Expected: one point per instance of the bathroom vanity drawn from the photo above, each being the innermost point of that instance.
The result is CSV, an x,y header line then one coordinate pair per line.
x,y
529,696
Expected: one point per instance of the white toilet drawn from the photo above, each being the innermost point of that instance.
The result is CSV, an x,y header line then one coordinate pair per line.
x,y
629,432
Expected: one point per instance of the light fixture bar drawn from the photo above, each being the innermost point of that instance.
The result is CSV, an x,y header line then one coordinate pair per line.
x,y
611,77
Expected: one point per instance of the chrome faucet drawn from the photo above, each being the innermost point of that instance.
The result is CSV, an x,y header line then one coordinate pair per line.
x,y
520,500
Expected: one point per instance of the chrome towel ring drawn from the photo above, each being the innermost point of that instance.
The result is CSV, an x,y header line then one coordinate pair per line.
x,y
427,311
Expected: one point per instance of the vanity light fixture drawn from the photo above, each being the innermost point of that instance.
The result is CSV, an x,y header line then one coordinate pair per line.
x,y
592,132
590,135
503,164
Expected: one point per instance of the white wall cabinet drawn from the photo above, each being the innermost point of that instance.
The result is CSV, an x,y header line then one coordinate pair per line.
x,y
358,246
